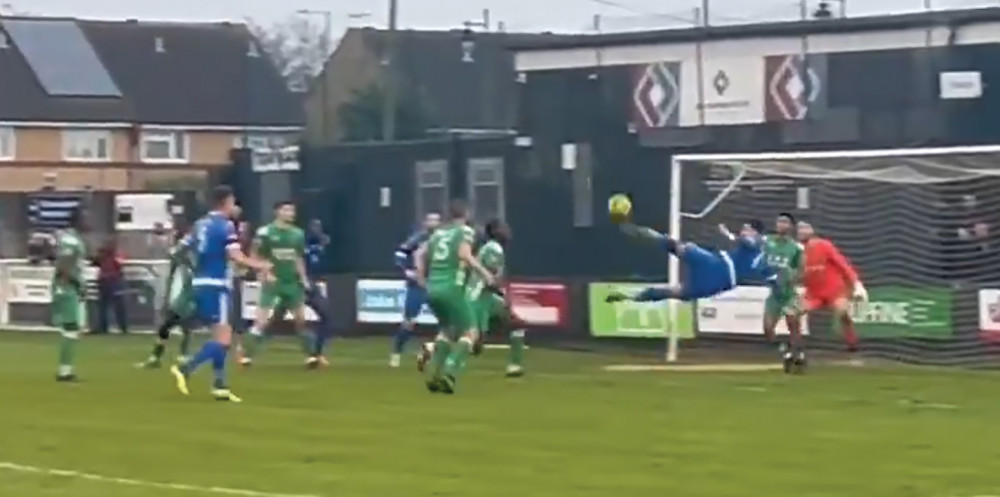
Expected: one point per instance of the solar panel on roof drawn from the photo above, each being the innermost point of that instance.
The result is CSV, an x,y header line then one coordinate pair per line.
x,y
61,57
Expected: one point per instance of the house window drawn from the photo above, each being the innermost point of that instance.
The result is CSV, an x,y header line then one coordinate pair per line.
x,y
432,187
486,188
8,147
86,145
164,146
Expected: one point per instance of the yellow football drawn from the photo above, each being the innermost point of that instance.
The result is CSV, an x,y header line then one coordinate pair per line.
x,y
619,207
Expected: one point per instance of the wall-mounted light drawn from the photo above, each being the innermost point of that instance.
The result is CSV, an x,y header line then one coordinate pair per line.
x,y
468,45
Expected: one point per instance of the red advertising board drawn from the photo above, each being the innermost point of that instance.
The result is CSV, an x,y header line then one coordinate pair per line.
x,y
540,304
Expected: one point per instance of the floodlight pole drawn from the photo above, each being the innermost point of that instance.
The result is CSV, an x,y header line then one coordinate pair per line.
x,y
389,76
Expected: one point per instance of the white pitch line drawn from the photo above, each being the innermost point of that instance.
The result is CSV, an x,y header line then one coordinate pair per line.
x,y
180,487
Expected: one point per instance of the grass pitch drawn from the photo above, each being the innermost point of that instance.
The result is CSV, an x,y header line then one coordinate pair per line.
x,y
570,428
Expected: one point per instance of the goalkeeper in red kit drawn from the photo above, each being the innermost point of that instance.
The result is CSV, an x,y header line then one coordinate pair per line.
x,y
830,282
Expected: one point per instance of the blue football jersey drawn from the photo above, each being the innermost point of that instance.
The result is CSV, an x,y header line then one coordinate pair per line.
x,y
210,240
404,254
748,258
315,250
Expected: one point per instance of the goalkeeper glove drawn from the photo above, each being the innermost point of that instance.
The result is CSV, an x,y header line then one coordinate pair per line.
x,y
859,292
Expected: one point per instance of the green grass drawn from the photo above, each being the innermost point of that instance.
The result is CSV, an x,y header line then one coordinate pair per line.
x,y
360,429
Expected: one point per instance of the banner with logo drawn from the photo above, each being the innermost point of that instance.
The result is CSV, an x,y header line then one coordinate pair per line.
x,y
540,304
381,301
796,86
738,311
27,292
251,295
901,312
634,319
722,90
989,314
656,95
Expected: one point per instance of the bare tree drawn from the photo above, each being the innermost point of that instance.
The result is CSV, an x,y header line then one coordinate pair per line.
x,y
298,46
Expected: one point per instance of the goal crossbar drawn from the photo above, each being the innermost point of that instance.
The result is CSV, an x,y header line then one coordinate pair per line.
x,y
838,154
676,188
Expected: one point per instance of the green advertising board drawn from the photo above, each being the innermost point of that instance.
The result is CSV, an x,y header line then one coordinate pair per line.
x,y
900,312
633,319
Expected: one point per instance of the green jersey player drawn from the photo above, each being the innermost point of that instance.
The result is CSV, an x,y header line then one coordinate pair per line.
x,y
69,291
783,256
283,290
444,275
489,308
178,305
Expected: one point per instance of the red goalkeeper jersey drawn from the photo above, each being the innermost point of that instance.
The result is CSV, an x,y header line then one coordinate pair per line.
x,y
826,267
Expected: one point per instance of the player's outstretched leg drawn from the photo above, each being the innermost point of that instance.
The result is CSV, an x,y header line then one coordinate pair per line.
x,y
665,242
439,353
650,294
213,307
306,335
162,336
184,347
68,313
793,320
323,331
842,315
254,338
463,320
412,304
457,360
67,353
515,358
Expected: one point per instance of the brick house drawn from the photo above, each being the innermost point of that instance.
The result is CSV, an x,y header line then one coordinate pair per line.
x,y
118,105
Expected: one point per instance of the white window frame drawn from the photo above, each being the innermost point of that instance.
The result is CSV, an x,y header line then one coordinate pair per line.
x,y
495,166
8,143
425,168
179,143
72,136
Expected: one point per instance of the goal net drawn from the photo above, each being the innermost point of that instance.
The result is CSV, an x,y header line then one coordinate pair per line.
x,y
920,225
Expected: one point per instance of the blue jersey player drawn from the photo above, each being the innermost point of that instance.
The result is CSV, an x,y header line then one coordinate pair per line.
x,y
315,250
416,295
214,243
709,272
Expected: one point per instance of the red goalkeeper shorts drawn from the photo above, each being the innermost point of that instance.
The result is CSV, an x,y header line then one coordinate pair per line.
x,y
823,297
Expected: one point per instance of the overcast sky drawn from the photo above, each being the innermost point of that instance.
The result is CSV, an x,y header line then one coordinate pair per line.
x,y
519,15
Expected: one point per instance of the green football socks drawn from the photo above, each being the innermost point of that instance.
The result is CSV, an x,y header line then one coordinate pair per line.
x,y
442,348
308,339
185,345
67,352
252,342
458,357
516,354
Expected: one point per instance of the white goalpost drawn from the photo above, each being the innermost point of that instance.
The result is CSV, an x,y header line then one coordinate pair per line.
x,y
920,224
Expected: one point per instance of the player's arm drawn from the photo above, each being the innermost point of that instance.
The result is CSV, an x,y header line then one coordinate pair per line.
x,y
495,265
843,266
235,252
300,260
466,255
420,264
733,237
402,255
798,265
